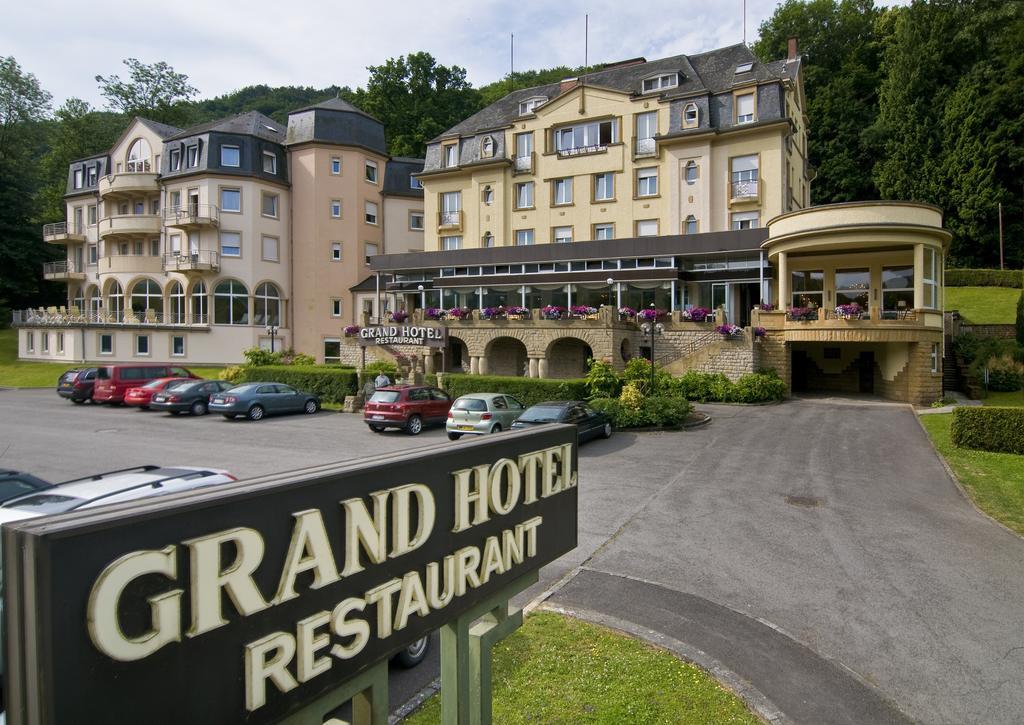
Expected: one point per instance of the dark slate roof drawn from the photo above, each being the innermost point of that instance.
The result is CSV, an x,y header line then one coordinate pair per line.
x,y
710,72
162,130
369,284
335,104
397,175
251,123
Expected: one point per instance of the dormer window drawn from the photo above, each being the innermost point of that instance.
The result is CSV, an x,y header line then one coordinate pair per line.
x,y
530,104
92,174
415,183
451,156
138,157
744,68
745,112
78,179
690,116
659,83
487,147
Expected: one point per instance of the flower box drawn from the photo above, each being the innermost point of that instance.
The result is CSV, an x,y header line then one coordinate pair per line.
x,y
582,312
729,330
552,312
696,314
398,316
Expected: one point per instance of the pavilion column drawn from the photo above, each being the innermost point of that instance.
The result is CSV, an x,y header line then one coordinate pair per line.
x,y
534,370
428,362
918,276
542,367
482,364
474,365
781,264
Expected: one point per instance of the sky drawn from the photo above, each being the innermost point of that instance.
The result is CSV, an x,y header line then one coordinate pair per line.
x,y
225,46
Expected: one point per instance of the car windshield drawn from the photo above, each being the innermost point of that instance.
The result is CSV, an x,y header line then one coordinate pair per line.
x,y
155,385
46,503
14,487
470,404
185,386
541,414
385,396
248,388
69,376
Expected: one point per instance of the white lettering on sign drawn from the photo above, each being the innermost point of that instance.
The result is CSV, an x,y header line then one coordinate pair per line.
x,y
401,335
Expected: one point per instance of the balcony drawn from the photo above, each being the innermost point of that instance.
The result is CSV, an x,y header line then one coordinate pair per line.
x,y
874,325
73,317
130,264
62,271
449,221
62,233
202,261
644,148
523,164
127,184
192,216
744,190
130,225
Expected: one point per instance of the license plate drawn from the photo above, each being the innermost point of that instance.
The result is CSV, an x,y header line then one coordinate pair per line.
x,y
376,417
466,427
65,385
217,400
159,399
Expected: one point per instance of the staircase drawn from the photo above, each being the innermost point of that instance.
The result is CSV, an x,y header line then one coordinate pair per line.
x,y
713,353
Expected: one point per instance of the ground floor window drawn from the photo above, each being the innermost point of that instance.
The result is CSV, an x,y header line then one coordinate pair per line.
x,y
142,344
898,288
807,287
45,339
178,345
852,287
935,357
60,342
332,351
106,344
30,341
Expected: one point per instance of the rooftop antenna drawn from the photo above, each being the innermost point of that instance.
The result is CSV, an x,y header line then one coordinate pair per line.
x,y
511,62
586,51
744,22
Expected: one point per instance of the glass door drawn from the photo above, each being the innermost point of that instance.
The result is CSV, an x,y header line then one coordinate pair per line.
x,y
720,297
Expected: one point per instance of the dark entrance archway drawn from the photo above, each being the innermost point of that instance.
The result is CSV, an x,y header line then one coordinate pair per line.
x,y
567,358
507,356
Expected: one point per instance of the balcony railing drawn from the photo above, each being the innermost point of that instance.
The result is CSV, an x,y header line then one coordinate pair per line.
x,y
449,219
581,150
192,215
744,189
63,316
61,270
644,147
201,261
522,164
62,230
130,225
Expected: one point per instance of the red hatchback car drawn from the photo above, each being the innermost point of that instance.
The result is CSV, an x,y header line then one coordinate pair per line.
x,y
142,396
409,407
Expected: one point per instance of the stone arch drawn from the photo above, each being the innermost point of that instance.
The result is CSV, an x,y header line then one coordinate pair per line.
x,y
567,357
507,355
456,355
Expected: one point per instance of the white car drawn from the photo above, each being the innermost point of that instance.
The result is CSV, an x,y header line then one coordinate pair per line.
x,y
113,487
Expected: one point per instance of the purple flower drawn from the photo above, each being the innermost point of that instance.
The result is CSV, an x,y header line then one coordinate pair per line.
x,y
399,316
760,332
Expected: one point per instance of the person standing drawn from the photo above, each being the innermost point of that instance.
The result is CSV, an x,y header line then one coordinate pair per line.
x,y
381,380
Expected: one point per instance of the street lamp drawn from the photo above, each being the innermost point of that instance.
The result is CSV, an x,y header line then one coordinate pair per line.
x,y
652,328
611,288
272,331
423,297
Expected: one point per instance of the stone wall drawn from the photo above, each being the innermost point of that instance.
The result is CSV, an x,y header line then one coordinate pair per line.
x,y
772,352
1005,332
732,358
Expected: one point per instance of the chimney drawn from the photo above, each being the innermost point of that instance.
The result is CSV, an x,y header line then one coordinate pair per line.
x,y
566,84
792,49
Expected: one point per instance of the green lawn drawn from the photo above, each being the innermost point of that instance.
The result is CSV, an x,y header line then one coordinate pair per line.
x,y
995,481
16,373
1005,400
557,669
984,305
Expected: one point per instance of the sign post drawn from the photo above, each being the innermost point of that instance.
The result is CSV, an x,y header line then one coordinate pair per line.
x,y
278,598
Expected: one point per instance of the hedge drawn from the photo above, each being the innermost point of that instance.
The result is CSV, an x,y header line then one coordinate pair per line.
x,y
716,388
528,391
985,278
989,429
332,384
658,411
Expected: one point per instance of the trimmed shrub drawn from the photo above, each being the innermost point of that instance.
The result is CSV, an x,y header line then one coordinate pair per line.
x,y
984,278
602,382
758,388
1005,374
1009,355
989,429
717,388
528,391
232,374
659,411
638,371
966,347
1019,325
332,384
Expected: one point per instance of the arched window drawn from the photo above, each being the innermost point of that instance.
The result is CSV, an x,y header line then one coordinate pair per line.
x,y
78,299
690,115
267,310
690,225
138,157
93,295
231,303
487,147
146,296
115,300
691,172
488,239
176,303
200,310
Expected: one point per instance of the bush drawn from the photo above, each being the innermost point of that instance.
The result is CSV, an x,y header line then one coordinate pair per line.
x,y
232,374
528,391
1019,325
332,384
989,429
659,411
1010,355
984,278
1005,374
704,387
758,388
638,371
259,357
966,347
602,382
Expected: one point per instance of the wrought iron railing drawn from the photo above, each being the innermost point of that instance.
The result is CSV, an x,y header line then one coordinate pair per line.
x,y
743,189
54,316
582,150
63,267
60,228
449,218
523,164
192,261
643,147
191,214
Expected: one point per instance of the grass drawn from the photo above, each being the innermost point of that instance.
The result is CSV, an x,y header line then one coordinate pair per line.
x,y
15,373
994,481
984,305
1005,400
557,669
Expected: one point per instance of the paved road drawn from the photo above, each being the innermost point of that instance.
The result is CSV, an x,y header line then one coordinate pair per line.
x,y
835,523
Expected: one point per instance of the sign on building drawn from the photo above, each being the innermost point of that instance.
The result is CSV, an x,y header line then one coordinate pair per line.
x,y
399,334
245,602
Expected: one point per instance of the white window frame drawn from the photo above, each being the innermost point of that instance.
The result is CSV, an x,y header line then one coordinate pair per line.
x,y
174,162
561,235
328,360
370,171
191,156
336,248
746,117
691,172
415,183
276,247
450,155
335,307
226,209
148,352
688,109
744,220
336,166
610,186
44,339
370,211
175,338
60,343
451,242
237,149
367,253
691,225
659,82
599,228
272,158
413,216
563,193
524,193
647,224
648,174
930,278
79,178
531,104
30,341
109,338
221,245
336,209
276,199
525,237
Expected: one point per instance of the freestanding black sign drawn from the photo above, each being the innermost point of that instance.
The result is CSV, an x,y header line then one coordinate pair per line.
x,y
242,603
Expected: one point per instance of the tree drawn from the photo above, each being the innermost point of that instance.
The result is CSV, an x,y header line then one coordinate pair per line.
x,y
1020,319
155,91
22,103
416,99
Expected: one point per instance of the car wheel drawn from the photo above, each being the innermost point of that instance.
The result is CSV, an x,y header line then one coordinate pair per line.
x,y
454,436
174,412
415,426
76,401
229,416
198,408
607,432
377,428
496,428
256,412
311,407
414,653
143,407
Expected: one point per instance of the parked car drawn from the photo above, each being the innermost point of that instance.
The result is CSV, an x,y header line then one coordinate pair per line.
x,y
16,483
113,381
113,487
143,395
191,396
409,407
76,384
257,400
482,413
589,422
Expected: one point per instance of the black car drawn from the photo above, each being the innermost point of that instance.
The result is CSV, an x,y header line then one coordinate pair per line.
x,y
16,483
192,396
589,422
76,384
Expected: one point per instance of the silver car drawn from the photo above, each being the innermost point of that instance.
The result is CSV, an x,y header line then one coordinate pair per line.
x,y
482,413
